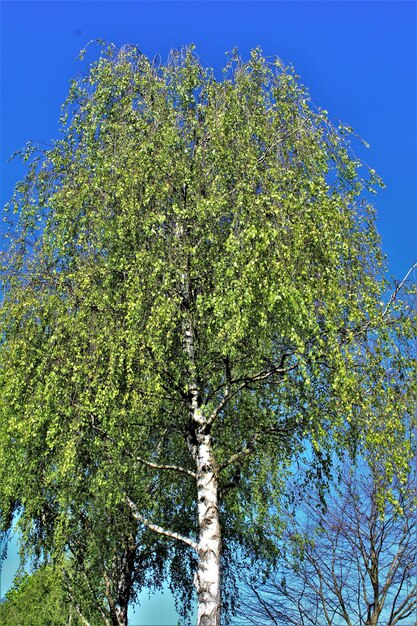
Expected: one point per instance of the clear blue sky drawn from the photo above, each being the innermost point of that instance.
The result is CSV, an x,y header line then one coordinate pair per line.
x,y
358,59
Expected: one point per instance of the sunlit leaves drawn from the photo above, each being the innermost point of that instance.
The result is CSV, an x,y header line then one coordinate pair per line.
x,y
232,205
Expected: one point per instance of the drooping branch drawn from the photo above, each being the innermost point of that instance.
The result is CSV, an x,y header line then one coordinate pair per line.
x,y
93,594
281,140
138,459
159,529
172,385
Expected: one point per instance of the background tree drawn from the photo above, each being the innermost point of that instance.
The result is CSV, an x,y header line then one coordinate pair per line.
x,y
111,561
189,297
43,597
352,562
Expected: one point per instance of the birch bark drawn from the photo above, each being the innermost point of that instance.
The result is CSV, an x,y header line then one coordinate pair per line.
x,y
207,578
120,616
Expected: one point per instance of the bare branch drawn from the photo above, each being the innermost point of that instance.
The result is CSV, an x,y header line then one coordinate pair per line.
x,y
398,289
350,564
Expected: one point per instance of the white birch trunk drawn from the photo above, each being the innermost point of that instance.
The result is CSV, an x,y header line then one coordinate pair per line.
x,y
207,578
120,616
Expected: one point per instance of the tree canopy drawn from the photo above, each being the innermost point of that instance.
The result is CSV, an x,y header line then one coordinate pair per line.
x,y
193,294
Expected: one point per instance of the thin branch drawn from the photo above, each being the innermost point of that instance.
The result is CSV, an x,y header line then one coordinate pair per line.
x,y
159,529
284,138
245,381
398,288
93,594
225,400
239,455
263,603
168,375
265,374
138,459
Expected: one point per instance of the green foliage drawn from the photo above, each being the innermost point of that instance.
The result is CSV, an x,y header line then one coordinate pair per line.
x,y
40,598
234,211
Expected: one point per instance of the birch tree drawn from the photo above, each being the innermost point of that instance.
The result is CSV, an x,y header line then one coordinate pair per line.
x,y
189,297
